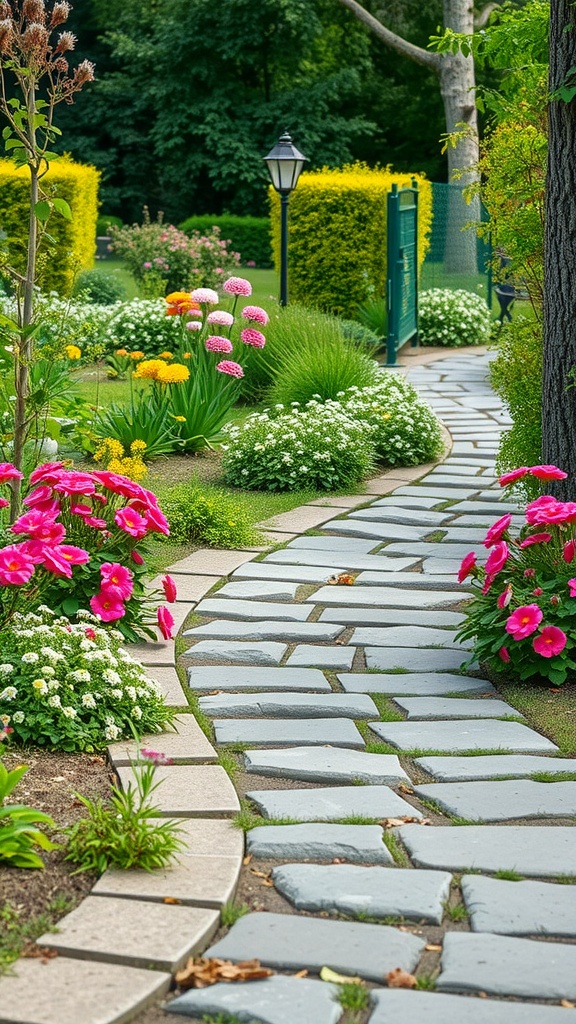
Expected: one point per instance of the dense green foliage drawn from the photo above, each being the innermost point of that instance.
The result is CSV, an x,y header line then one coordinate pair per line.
x,y
516,376
248,236
204,514
101,289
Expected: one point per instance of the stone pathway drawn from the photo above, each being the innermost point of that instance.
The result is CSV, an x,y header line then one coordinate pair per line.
x,y
396,790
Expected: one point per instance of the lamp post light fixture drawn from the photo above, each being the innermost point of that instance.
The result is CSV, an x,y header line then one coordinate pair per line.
x,y
285,164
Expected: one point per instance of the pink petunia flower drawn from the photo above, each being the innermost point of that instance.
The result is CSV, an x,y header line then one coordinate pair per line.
x,y
256,313
205,295
215,343
130,521
468,563
237,286
75,483
4,503
54,563
551,641
572,585
107,607
165,622
118,484
548,473
536,538
220,316
524,621
505,597
169,588
136,557
504,654
230,368
41,526
9,472
155,757
47,473
38,496
95,522
497,558
16,566
117,580
496,531
569,550
251,337
156,521
512,476
70,553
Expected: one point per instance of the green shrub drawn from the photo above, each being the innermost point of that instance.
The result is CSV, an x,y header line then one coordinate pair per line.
x,y
141,325
453,317
406,431
337,246
248,236
318,446
516,376
73,242
322,373
99,289
104,221
205,514
361,335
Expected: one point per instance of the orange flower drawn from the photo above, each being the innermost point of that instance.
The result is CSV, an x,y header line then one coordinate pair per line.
x,y
179,303
136,356
166,355
121,352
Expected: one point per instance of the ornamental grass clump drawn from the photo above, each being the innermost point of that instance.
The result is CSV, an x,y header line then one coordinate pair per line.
x,y
287,449
405,430
72,686
522,619
452,318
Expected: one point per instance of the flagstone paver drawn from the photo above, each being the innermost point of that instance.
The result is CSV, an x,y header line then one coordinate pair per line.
x,y
226,652
349,545
520,908
503,800
446,707
222,629
457,735
327,764
362,616
411,1007
411,580
196,881
190,791
319,841
422,659
386,597
493,766
405,683
271,732
326,657
506,966
407,636
380,530
332,804
289,942
351,559
256,590
289,705
275,1000
378,892
291,573
545,851
393,514
185,744
227,608
239,678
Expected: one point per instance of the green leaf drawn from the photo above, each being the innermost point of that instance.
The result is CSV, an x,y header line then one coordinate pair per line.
x,y
42,210
70,606
62,207
13,144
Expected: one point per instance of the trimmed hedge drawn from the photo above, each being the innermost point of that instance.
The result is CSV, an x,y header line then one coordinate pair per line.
x,y
249,236
338,227
74,241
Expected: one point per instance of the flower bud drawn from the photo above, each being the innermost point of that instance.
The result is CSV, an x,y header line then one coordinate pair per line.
x,y
60,13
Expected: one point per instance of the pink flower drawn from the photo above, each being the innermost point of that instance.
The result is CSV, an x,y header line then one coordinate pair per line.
x,y
130,521
524,621
48,473
505,597
16,566
97,524
572,585
497,558
117,581
550,642
90,633
118,484
230,368
9,472
569,550
548,473
468,563
256,313
156,522
40,525
75,483
237,286
136,557
81,510
220,316
487,584
205,295
169,588
38,496
515,474
537,591
496,530
529,574
107,607
504,654
4,503
251,337
52,562
155,756
193,325
72,554
547,509
165,622
536,538
215,343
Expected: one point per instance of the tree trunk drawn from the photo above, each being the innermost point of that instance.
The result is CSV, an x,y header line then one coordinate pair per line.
x,y
458,89
558,393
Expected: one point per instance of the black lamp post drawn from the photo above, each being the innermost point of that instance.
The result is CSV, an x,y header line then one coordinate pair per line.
x,y
284,163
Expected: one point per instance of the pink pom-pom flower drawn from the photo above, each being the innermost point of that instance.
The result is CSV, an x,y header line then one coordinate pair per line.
x,y
230,368
237,286
254,338
256,313
215,343
220,316
205,295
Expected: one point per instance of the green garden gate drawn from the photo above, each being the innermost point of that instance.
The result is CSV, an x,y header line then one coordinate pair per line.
x,y
402,270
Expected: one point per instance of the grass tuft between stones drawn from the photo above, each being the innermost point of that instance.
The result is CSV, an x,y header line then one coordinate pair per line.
x,y
353,996
232,912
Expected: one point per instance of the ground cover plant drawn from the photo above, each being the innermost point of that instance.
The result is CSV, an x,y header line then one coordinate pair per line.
x,y
521,620
452,318
205,514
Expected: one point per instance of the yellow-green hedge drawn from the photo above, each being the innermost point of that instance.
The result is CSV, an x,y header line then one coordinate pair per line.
x,y
75,243
337,234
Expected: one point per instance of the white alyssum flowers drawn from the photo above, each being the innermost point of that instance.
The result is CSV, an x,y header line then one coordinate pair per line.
x,y
452,317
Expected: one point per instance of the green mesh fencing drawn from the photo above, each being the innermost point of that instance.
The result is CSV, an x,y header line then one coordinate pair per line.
x,y
457,257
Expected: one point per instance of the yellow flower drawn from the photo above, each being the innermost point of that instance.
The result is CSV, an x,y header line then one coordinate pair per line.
x,y
72,351
138,446
175,297
166,355
187,355
149,369
180,419
174,374
136,356
121,352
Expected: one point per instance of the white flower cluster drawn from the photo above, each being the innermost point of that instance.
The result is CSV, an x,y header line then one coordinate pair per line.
x,y
65,321
79,691
288,449
452,317
405,430
142,325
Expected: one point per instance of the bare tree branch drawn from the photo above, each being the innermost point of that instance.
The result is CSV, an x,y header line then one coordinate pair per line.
x,y
481,19
396,42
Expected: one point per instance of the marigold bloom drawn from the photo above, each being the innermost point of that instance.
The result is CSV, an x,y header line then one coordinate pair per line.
x,y
121,352
137,355
237,286
149,369
216,343
468,563
256,313
72,351
230,368
166,355
550,642
174,374
252,337
496,531
524,621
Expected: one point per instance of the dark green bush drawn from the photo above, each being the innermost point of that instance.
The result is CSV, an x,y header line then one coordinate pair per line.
x,y
250,236
104,221
361,335
205,514
100,289
516,376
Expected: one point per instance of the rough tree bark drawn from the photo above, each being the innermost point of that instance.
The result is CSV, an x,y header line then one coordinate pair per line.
x,y
457,87
559,394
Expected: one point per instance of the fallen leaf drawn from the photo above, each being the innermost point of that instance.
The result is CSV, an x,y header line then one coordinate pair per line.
x,y
260,874
400,979
327,974
247,859
39,953
433,947
200,973
405,789
396,822
482,995
567,1004
344,579
301,974
339,860
172,900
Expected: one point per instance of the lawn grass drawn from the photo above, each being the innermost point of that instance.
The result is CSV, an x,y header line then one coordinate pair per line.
x,y
265,283
550,711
